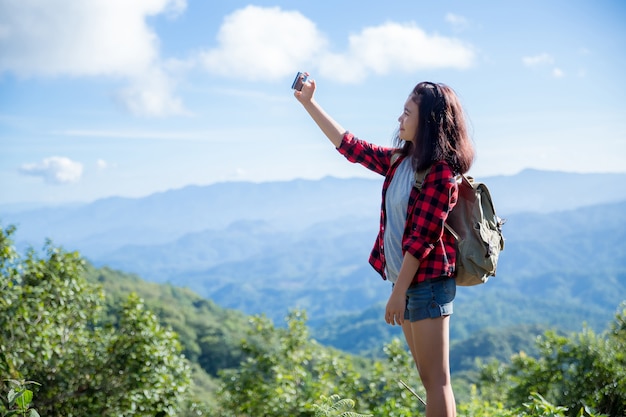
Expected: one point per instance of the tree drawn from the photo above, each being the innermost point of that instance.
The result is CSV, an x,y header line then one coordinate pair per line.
x,y
282,372
583,372
53,331
285,373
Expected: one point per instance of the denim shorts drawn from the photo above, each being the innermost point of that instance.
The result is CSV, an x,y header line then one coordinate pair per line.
x,y
430,299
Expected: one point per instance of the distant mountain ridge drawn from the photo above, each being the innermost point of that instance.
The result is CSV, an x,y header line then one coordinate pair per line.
x,y
269,247
111,223
534,190
114,222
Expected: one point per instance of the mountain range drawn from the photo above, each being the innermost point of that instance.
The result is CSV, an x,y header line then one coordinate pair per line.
x,y
265,248
107,224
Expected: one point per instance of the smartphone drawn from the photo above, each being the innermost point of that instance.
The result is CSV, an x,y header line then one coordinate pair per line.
x,y
299,81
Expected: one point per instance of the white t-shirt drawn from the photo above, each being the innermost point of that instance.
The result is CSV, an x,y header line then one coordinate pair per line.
x,y
396,204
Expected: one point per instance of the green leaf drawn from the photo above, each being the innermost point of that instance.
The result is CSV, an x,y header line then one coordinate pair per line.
x,y
12,396
25,399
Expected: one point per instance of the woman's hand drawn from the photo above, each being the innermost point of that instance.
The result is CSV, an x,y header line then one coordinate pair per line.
x,y
394,313
333,130
305,96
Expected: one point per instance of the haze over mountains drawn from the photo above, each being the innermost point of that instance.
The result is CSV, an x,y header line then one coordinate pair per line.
x,y
111,223
269,247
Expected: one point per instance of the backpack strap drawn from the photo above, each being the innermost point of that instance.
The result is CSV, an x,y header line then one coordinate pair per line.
x,y
394,157
420,176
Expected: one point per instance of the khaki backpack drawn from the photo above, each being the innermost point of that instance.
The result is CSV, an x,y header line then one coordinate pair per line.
x,y
477,229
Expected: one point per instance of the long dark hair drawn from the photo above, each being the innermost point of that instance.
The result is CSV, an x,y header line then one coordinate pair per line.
x,y
441,130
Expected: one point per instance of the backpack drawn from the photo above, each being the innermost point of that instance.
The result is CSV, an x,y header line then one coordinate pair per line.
x,y
477,229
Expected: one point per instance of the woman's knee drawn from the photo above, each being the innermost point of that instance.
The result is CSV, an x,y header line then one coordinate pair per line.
x,y
434,379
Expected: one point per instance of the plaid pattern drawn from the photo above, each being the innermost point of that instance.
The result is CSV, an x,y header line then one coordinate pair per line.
x,y
424,235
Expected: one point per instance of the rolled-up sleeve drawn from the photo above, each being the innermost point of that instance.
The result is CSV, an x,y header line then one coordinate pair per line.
x,y
373,157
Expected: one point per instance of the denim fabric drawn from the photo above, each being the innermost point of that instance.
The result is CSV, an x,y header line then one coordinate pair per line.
x,y
430,299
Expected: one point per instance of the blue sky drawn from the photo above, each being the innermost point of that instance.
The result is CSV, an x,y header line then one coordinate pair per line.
x,y
107,98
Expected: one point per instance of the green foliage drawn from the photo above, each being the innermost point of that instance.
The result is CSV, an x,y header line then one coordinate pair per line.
x,y
19,399
385,395
143,371
584,372
284,370
488,344
127,353
210,336
335,406
540,407
534,406
478,407
53,331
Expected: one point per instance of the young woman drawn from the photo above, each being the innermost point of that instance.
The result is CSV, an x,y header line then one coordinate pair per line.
x,y
413,249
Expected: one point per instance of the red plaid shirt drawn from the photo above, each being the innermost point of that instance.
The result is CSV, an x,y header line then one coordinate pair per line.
x,y
424,236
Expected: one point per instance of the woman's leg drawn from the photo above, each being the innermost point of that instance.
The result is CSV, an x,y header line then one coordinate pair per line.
x,y
429,341
408,335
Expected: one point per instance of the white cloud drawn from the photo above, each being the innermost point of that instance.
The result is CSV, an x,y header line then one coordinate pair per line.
x,y
259,43
269,43
91,38
78,37
459,23
541,61
557,73
55,170
396,47
538,60
152,95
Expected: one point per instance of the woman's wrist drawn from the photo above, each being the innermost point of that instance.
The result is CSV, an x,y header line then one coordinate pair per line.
x,y
310,104
400,287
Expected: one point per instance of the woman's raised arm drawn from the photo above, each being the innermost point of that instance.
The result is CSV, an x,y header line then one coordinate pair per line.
x,y
333,130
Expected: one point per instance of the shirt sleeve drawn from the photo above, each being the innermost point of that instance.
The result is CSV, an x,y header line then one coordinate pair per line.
x,y
373,157
435,200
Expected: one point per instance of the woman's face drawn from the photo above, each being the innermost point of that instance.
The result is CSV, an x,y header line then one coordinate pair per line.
x,y
408,120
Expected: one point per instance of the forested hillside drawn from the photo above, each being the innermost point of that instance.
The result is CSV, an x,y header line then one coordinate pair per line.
x,y
76,340
261,313
558,270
